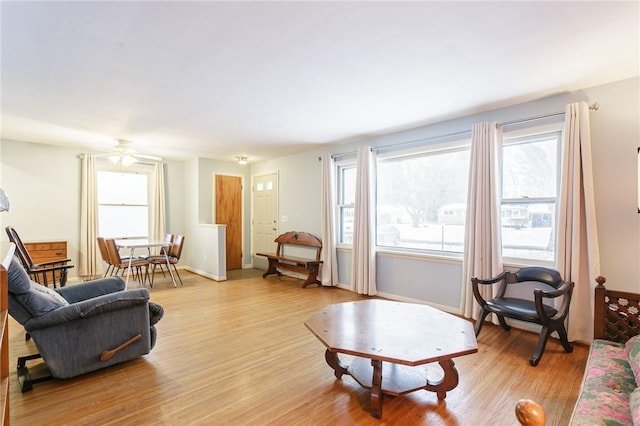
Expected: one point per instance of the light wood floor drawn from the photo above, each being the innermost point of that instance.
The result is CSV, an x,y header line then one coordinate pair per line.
x,y
238,353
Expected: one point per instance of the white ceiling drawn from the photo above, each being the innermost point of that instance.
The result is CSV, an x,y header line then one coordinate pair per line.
x,y
266,79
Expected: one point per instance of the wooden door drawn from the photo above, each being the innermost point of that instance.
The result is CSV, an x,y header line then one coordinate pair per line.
x,y
265,216
229,212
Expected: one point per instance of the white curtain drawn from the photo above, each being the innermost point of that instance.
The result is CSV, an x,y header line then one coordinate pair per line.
x,y
483,236
329,271
158,227
90,261
363,268
577,249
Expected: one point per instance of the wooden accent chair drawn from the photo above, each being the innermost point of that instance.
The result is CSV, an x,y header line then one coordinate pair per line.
x,y
43,273
549,285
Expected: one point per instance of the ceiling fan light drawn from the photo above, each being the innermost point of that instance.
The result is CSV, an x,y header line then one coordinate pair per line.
x,y
128,160
115,159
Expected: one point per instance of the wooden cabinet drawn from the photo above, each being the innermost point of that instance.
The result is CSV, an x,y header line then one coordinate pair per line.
x,y
7,254
46,251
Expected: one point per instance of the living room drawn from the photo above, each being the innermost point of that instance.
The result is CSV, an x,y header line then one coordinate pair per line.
x,y
43,182
53,173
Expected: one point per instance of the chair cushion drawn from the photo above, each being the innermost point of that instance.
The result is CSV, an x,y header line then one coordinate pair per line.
x,y
35,298
19,282
518,308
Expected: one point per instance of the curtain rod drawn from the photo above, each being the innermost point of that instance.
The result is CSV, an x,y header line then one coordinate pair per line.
x,y
143,162
595,106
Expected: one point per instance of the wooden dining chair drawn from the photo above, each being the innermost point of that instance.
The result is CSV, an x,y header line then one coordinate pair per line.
x,y
122,264
172,257
104,253
168,238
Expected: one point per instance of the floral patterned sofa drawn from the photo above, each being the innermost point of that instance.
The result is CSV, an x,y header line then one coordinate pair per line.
x,y
610,393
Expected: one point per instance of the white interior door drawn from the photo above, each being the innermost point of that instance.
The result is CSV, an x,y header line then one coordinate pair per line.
x,y
265,216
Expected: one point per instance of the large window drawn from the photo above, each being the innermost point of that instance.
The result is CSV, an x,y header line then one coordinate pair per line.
x,y
421,198
529,195
123,207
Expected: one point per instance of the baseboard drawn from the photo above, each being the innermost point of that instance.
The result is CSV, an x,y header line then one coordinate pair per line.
x,y
206,274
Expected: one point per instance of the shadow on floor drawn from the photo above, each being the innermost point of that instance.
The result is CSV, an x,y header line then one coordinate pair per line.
x,y
243,274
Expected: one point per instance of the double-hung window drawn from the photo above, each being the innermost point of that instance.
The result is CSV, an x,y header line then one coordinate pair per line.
x,y
530,182
123,203
346,200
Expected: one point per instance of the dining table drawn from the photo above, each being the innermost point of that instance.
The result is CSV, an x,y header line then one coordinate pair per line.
x,y
137,243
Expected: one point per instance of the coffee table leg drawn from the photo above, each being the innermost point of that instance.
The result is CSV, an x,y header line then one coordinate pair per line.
x,y
334,362
376,389
449,380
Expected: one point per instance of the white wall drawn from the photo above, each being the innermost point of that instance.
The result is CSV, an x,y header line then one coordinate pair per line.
x,y
299,190
43,185
615,133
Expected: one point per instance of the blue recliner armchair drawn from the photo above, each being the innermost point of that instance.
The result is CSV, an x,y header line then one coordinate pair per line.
x,y
81,328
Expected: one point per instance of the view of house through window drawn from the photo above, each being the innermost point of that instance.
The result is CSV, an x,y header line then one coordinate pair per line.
x,y
346,201
421,197
123,208
529,192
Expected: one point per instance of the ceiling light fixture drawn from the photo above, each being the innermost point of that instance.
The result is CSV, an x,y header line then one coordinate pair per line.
x,y
124,159
242,160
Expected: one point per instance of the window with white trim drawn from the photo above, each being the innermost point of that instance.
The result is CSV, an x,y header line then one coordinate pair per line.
x,y
123,204
421,197
346,200
530,182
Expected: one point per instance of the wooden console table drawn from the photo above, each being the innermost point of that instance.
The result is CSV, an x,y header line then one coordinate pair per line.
x,y
399,338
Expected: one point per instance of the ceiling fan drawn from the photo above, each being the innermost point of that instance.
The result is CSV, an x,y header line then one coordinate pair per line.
x,y
124,154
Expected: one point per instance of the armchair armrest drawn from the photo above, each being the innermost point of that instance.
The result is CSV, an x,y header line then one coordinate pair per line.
x,y
476,282
566,290
60,263
562,290
493,280
88,308
91,289
41,267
